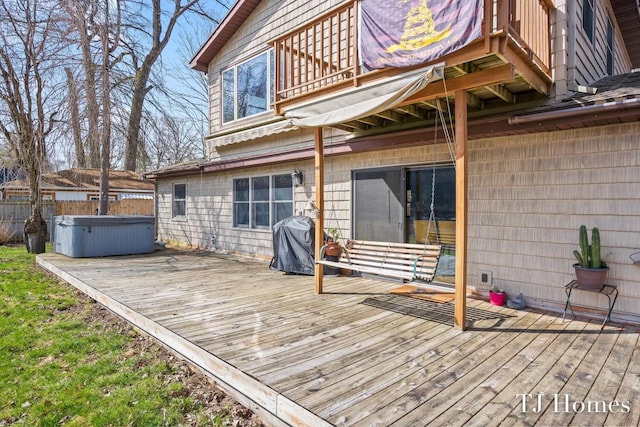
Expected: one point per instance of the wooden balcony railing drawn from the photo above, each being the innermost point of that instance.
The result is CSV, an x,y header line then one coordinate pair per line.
x,y
529,26
323,53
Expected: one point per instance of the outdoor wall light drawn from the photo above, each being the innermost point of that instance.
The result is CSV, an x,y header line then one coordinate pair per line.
x,y
297,177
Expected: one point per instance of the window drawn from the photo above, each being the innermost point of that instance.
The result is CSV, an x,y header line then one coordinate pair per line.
x,y
261,201
588,18
241,202
609,47
247,88
179,205
282,197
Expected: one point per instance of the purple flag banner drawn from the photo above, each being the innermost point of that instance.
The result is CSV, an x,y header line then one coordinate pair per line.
x,y
403,33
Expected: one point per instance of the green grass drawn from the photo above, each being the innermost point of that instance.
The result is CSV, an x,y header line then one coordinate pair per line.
x,y
62,361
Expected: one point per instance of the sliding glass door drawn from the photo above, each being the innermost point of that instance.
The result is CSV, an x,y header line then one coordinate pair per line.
x,y
425,225
378,205
395,205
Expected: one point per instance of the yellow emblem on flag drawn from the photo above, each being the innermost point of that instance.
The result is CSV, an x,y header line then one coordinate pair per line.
x,y
419,30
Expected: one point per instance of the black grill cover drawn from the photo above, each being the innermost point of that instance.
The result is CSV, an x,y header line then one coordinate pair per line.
x,y
293,245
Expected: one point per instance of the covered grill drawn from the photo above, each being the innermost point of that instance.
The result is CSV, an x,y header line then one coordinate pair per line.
x,y
293,245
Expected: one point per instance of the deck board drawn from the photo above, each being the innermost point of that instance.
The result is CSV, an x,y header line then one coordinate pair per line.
x,y
305,359
629,385
494,369
486,403
431,377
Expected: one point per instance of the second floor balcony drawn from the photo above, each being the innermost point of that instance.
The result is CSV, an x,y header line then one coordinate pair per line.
x,y
510,62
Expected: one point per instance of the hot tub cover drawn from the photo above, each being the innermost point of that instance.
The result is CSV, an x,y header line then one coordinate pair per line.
x,y
293,245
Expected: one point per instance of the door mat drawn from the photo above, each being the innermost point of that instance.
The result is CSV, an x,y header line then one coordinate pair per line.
x,y
428,310
423,294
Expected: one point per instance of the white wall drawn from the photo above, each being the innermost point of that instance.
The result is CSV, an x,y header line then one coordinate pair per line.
x,y
71,195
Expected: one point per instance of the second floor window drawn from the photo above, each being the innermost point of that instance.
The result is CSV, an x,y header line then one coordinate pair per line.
x,y
610,40
247,88
589,18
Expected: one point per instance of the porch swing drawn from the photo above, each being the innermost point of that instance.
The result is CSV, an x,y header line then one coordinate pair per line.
x,y
440,232
403,261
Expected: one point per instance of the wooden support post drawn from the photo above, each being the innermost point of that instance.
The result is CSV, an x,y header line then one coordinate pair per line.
x,y
460,314
319,164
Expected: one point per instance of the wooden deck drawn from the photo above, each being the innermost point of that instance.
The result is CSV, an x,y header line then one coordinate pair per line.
x,y
348,357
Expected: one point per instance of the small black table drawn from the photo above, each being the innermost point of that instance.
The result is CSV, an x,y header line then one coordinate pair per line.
x,y
606,290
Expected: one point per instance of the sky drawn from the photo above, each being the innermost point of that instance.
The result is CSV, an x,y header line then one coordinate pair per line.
x,y
190,34
194,31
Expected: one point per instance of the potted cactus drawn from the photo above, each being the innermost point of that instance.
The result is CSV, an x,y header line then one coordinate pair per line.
x,y
591,271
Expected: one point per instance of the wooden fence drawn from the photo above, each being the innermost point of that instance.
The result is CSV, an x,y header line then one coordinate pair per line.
x,y
118,207
13,214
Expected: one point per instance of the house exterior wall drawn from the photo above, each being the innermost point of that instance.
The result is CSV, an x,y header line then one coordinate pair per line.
x,y
68,195
560,34
209,211
575,59
527,197
587,61
269,20
529,194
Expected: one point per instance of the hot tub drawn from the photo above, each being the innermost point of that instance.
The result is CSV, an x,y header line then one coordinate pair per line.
x,y
103,235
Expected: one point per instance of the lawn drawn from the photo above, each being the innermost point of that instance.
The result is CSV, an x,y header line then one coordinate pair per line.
x,y
65,360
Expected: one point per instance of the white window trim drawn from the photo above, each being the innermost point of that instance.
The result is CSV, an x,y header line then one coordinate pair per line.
x,y
234,67
173,200
251,202
593,21
610,49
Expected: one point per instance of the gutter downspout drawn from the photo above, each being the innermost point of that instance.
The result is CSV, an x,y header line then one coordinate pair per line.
x,y
575,112
571,18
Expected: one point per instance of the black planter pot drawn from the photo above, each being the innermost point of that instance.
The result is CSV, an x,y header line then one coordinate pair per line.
x,y
327,270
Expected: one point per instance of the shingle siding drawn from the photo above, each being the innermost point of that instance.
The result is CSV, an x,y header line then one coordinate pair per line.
x,y
590,59
527,197
269,20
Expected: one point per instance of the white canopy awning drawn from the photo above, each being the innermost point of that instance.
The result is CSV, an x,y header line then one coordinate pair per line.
x,y
249,134
362,101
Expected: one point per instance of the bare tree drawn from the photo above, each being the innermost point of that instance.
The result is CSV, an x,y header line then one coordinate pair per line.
x,y
81,16
109,34
169,140
97,33
140,83
74,110
160,35
29,96
176,134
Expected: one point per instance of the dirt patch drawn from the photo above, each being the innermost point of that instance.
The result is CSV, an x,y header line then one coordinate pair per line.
x,y
196,385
